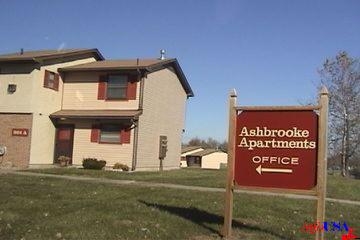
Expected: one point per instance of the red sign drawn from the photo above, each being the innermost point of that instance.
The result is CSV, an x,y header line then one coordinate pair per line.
x,y
276,149
22,132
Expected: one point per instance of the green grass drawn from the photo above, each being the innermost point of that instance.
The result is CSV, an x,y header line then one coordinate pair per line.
x,y
343,188
190,176
337,187
48,208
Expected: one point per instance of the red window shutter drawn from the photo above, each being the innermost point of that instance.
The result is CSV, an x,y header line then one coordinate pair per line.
x,y
95,133
131,88
46,78
102,87
125,135
56,82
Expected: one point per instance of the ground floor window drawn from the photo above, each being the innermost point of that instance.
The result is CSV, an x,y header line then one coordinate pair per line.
x,y
110,133
193,161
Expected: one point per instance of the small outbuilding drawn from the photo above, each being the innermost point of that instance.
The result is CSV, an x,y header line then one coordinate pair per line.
x,y
186,151
208,159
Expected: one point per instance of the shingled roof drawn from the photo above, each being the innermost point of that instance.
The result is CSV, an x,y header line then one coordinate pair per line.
x,y
117,64
43,55
204,152
190,148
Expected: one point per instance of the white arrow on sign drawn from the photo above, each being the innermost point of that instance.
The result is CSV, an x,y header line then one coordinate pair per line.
x,y
260,170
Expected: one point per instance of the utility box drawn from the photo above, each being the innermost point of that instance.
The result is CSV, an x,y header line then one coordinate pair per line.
x,y
162,147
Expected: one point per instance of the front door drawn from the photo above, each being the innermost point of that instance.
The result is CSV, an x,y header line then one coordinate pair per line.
x,y
64,142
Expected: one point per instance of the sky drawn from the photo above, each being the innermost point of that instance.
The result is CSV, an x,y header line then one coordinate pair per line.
x,y
269,51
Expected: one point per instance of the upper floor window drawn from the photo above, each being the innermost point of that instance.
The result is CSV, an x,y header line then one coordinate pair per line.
x,y
11,88
51,80
117,87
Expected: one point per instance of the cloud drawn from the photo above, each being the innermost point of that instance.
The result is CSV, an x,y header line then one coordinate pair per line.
x,y
61,46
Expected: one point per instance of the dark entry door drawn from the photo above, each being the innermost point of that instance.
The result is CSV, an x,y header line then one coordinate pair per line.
x,y
64,140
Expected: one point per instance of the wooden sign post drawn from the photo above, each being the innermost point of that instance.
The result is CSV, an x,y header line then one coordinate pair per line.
x,y
322,159
231,166
277,149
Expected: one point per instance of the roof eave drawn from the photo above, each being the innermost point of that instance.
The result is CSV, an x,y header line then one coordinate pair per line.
x,y
26,60
93,117
69,69
94,51
85,115
187,87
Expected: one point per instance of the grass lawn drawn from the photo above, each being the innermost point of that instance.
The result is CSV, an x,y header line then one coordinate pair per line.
x,y
47,208
338,187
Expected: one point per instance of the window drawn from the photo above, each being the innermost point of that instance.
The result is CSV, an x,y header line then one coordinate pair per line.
x,y
117,87
110,134
11,88
193,161
51,80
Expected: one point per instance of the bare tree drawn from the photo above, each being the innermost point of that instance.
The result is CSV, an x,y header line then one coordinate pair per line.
x,y
195,142
341,76
209,143
224,146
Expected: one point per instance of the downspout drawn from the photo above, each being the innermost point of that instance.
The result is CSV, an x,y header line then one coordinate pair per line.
x,y
62,89
136,133
136,129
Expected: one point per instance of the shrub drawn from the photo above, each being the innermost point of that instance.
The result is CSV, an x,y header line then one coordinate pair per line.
x,y
64,160
121,166
93,163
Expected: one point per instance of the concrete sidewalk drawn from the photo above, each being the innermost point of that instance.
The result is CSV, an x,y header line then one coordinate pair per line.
x,y
169,185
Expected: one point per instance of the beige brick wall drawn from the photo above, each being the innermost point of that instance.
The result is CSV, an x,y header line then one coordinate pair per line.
x,y
163,114
18,147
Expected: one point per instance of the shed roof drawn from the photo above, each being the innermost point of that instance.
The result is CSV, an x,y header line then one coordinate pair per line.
x,y
190,148
204,152
96,114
